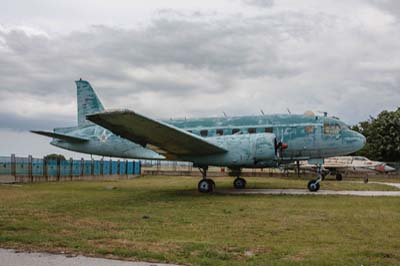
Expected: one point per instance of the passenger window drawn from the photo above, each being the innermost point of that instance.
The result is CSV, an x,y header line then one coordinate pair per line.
x,y
190,131
309,129
235,131
204,133
220,132
269,130
251,130
331,129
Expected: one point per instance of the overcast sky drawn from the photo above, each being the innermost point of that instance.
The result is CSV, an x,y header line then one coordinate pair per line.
x,y
182,58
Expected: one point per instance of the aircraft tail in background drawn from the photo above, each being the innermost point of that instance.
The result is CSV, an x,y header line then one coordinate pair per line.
x,y
88,102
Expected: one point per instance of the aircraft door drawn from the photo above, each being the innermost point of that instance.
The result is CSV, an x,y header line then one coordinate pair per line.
x,y
309,141
265,147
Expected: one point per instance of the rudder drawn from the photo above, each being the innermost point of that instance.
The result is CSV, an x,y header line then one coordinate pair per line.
x,y
88,102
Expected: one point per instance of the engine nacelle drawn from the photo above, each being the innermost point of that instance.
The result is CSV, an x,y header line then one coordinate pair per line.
x,y
246,150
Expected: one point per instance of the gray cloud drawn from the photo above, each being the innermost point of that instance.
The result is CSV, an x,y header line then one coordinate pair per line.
x,y
390,6
259,3
15,122
182,66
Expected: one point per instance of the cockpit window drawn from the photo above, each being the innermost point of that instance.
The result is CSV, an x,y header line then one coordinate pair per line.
x,y
331,129
360,158
344,126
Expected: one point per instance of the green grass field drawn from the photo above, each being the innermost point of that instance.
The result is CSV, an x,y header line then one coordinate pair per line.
x,y
165,219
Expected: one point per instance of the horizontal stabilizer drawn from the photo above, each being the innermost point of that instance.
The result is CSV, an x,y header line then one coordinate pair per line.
x,y
156,135
64,137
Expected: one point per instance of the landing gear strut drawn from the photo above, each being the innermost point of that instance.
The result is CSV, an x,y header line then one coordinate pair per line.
x,y
339,177
238,183
205,185
314,184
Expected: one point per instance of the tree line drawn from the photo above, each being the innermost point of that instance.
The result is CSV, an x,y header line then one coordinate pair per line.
x,y
383,136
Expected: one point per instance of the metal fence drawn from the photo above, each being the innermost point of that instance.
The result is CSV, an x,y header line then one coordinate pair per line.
x,y
29,169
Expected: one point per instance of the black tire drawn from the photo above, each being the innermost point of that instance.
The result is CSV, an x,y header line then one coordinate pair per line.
x,y
212,184
239,183
204,186
339,177
313,186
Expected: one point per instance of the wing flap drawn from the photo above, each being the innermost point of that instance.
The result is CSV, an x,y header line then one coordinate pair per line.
x,y
151,133
54,135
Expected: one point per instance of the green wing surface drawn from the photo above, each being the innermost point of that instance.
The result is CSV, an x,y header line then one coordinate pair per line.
x,y
156,135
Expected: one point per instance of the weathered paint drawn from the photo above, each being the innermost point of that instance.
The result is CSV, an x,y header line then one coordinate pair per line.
x,y
88,102
103,142
307,136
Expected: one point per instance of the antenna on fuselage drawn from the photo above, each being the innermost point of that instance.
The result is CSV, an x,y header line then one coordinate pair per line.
x,y
324,113
262,112
288,110
224,114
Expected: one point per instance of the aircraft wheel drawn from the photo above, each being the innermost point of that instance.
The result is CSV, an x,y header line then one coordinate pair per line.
x,y
239,183
206,186
212,183
339,177
313,186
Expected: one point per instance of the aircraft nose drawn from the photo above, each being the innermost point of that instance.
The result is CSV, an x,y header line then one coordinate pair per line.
x,y
389,169
360,140
363,140
355,141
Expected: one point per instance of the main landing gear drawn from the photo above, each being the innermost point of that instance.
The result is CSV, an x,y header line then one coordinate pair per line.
x,y
238,183
205,185
314,184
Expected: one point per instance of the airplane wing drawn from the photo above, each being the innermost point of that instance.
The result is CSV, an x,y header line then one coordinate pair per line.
x,y
65,137
158,136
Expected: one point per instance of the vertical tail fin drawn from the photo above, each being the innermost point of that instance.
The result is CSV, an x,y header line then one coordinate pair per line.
x,y
88,102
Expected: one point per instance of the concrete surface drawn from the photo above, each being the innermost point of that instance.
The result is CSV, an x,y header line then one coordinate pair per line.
x,y
11,258
386,183
306,192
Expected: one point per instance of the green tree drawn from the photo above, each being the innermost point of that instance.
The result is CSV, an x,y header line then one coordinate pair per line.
x,y
53,156
383,136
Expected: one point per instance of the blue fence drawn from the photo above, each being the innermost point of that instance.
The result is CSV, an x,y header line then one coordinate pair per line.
x,y
32,167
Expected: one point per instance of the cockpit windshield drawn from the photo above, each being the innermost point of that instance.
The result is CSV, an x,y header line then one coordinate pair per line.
x,y
359,158
331,128
343,126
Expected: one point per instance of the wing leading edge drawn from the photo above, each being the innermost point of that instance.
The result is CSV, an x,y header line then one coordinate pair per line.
x,y
158,136
64,137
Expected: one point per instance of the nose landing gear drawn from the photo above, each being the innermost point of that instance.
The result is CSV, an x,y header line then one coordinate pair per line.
x,y
314,184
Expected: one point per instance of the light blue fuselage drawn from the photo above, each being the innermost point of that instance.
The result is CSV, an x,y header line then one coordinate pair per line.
x,y
307,137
